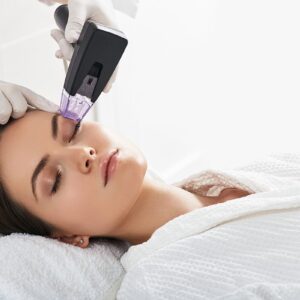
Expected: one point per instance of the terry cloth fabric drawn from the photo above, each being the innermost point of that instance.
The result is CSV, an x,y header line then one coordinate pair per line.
x,y
246,248
35,267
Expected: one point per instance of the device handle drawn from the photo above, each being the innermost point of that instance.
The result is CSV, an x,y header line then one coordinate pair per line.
x,y
61,16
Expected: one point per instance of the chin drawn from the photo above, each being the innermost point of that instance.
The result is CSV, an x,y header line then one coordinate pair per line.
x,y
133,173
127,187
137,167
136,163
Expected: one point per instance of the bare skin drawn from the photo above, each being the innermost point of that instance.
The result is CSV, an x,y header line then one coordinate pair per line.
x,y
225,195
62,1
130,207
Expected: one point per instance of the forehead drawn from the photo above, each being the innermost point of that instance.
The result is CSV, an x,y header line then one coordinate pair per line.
x,y
22,145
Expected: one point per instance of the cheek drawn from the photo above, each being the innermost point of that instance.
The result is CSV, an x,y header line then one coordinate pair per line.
x,y
79,203
82,190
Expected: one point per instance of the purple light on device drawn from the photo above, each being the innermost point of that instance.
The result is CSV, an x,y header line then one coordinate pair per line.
x,y
74,107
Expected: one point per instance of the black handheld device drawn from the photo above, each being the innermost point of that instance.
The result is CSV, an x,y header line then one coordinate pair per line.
x,y
96,56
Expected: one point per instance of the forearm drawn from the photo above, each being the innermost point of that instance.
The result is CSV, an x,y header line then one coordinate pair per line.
x,y
61,1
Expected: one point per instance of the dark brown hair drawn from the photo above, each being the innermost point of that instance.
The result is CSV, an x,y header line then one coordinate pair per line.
x,y
14,217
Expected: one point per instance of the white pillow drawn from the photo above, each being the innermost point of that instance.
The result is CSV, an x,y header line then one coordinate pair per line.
x,y
36,267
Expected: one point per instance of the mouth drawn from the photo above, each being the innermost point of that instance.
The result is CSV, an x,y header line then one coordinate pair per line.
x,y
109,166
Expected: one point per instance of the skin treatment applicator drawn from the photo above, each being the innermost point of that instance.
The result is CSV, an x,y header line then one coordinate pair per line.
x,y
96,56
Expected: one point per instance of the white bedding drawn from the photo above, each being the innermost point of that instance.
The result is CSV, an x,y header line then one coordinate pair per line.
x,y
247,248
35,267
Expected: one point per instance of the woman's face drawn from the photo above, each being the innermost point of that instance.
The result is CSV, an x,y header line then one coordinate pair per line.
x,y
82,205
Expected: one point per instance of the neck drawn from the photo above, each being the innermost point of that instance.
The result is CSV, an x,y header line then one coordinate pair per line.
x,y
157,204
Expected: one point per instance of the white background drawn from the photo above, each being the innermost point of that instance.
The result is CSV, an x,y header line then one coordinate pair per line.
x,y
201,84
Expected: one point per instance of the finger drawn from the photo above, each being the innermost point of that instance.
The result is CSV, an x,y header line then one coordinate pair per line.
x,y
59,54
39,101
57,35
17,101
5,109
77,18
66,48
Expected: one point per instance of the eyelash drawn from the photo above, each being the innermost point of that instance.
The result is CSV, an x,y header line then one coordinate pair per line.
x,y
77,126
57,182
58,172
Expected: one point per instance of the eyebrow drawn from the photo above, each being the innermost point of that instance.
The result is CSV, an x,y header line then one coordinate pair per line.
x,y
43,162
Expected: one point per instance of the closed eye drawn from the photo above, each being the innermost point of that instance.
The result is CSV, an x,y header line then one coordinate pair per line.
x,y
58,176
57,182
77,126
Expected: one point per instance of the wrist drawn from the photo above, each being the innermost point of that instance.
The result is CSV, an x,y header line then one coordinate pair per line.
x,y
61,1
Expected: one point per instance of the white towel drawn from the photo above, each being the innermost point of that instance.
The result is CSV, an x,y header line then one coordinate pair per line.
x,y
35,267
246,248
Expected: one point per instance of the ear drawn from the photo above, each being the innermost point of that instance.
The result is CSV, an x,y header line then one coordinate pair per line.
x,y
74,240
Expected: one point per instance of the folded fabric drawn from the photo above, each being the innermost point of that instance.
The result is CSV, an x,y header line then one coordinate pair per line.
x,y
246,248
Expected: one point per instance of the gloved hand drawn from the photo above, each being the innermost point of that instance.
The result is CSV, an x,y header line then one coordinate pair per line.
x,y
14,100
98,11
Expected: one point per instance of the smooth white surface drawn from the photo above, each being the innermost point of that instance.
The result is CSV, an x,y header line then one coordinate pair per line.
x,y
216,80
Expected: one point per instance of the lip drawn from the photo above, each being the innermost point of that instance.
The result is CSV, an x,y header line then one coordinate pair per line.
x,y
104,163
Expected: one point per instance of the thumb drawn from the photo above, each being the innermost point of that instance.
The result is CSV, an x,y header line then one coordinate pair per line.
x,y
77,17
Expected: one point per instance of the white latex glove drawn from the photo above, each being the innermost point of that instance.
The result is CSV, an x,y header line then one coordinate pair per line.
x,y
98,11
15,99
128,7
66,51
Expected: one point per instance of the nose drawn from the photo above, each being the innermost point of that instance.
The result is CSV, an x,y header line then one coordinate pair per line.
x,y
87,158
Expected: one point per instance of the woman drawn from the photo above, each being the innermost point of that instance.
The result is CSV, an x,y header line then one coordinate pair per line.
x,y
69,199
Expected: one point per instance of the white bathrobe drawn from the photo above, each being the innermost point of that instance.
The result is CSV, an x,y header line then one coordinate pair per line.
x,y
246,248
